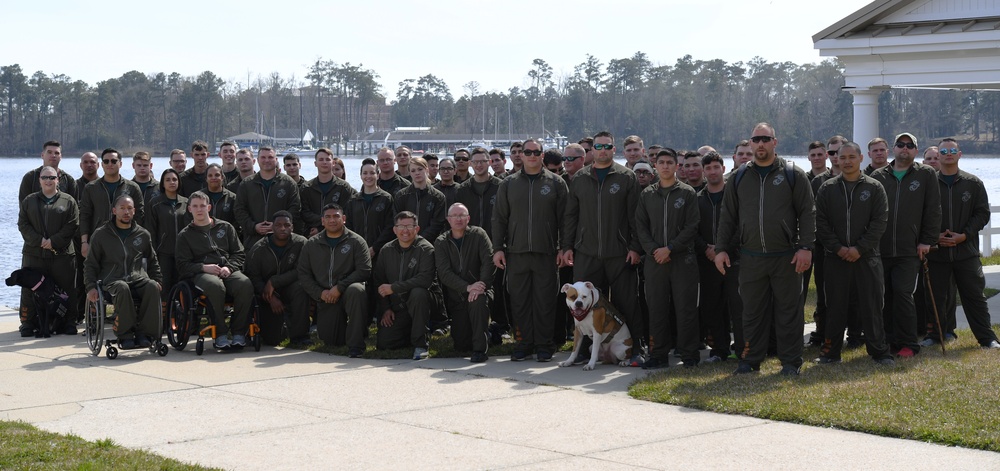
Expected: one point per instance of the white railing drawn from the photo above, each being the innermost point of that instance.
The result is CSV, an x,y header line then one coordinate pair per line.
x,y
986,243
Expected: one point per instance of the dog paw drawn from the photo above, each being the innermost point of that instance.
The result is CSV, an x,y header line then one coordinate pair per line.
x,y
588,367
565,363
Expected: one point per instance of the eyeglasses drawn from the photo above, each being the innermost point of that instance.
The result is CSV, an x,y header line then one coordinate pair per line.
x,y
604,146
405,227
441,169
759,139
570,158
908,145
49,177
536,153
461,159
831,153
109,161
948,151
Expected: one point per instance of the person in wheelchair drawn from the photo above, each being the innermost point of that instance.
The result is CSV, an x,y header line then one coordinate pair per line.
x,y
210,254
117,251
272,266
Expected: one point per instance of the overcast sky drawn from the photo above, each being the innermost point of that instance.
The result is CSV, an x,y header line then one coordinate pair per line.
x,y
491,42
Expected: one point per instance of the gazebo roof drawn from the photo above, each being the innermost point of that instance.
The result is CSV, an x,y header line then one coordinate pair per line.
x,y
918,44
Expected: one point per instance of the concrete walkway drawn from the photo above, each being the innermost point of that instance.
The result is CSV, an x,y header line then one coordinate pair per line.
x,y
291,409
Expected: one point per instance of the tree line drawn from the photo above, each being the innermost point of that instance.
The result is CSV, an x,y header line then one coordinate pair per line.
x,y
683,105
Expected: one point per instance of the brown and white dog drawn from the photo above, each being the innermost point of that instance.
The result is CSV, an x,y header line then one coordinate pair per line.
x,y
596,318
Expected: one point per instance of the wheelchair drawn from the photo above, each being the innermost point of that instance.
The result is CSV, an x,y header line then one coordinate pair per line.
x,y
188,314
96,315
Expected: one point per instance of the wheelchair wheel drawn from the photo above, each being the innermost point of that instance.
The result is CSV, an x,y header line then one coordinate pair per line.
x,y
161,349
199,347
112,353
94,323
180,308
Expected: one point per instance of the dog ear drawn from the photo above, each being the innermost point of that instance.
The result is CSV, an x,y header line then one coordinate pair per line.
x,y
565,288
589,286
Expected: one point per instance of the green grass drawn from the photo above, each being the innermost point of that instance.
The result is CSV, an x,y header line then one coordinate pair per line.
x,y
23,446
992,259
949,399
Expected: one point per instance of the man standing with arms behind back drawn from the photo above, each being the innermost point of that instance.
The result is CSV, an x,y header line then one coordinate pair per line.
x,y
777,222
913,226
601,241
527,227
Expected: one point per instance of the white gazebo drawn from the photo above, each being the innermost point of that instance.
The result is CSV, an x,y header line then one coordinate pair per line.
x,y
948,44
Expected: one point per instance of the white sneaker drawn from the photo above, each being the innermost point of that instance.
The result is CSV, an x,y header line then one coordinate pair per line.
x,y
420,353
993,344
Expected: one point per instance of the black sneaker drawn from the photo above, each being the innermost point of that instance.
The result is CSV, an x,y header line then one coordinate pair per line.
x,y
543,357
479,357
746,368
654,364
827,360
814,340
354,353
854,342
789,370
520,356
885,361
28,331
688,364
69,329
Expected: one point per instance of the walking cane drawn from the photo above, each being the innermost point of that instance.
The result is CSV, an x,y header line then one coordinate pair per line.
x,y
930,292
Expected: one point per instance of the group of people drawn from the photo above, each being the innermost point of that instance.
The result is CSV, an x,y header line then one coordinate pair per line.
x,y
691,255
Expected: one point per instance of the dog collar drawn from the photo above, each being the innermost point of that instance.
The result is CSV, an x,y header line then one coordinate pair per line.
x,y
39,284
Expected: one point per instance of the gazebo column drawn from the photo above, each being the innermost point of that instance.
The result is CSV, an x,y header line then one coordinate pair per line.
x,y
865,118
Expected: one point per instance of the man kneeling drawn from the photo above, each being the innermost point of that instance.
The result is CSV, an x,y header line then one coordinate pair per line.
x,y
117,250
209,252
404,271
272,266
464,257
333,268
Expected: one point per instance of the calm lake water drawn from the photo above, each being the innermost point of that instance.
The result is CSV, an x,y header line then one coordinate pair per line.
x,y
14,168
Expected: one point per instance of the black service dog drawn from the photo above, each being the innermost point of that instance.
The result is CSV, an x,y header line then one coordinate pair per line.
x,y
51,301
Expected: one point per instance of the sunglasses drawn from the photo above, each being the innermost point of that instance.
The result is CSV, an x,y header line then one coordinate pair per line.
x,y
831,153
49,177
461,159
759,139
571,158
908,145
948,151
536,153
109,161
604,146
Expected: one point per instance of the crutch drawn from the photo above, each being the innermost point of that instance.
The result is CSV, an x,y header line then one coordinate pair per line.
x,y
930,292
